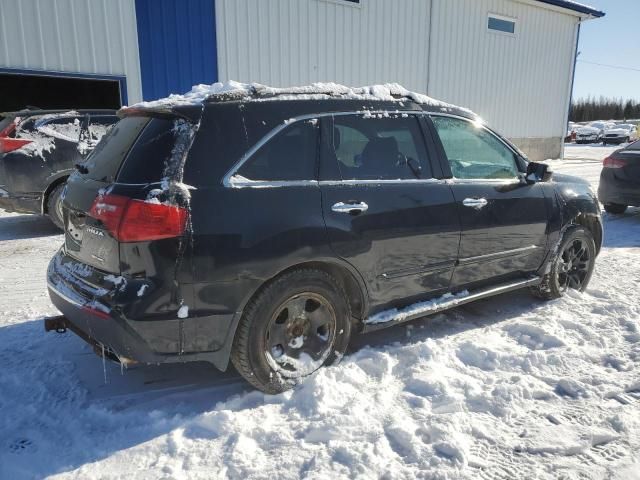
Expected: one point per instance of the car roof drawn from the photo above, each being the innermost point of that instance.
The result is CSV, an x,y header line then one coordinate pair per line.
x,y
308,99
29,112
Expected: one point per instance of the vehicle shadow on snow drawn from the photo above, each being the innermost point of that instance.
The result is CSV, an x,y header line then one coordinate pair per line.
x,y
622,231
18,227
56,394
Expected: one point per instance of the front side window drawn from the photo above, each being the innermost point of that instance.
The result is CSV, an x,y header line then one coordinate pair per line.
x,y
473,152
374,148
289,156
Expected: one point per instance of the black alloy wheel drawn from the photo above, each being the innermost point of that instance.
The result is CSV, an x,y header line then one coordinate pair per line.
x,y
574,265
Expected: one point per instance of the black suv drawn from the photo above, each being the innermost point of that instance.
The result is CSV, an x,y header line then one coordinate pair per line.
x,y
38,151
268,229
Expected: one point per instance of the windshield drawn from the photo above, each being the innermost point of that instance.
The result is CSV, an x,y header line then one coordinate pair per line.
x,y
596,125
623,126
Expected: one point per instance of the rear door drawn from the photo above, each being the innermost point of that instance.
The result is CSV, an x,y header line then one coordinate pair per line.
x,y
386,212
504,220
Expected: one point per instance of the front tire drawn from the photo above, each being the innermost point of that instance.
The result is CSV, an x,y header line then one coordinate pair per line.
x,y
54,206
295,325
571,266
615,208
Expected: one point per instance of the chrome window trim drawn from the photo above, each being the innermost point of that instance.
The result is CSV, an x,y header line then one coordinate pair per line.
x,y
229,183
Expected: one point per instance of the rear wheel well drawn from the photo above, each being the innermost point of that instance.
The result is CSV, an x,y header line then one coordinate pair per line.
x,y
342,274
591,223
50,188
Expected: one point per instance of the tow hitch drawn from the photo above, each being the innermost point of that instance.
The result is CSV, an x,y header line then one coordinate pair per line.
x,y
59,324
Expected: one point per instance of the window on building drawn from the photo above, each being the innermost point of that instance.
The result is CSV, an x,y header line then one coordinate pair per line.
x,y
497,23
473,152
289,156
379,148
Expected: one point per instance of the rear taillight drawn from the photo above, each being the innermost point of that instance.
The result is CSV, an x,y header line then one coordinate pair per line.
x,y
131,220
8,130
10,144
611,162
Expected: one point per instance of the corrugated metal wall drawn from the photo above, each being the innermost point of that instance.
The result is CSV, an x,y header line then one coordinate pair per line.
x,y
519,84
289,42
79,36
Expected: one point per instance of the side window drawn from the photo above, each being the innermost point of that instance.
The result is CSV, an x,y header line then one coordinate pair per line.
x,y
64,128
289,156
374,148
473,152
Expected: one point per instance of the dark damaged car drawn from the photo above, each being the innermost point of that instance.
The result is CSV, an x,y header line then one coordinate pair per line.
x,y
38,152
266,226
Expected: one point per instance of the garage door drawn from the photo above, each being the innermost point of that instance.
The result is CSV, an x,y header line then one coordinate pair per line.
x,y
48,91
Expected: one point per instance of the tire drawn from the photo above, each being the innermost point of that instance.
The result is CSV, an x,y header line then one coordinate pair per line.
x,y
569,270
615,208
277,328
54,204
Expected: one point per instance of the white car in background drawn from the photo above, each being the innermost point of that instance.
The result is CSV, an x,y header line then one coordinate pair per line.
x,y
623,133
591,133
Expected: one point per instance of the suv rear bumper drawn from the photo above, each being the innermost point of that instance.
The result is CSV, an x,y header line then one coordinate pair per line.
x,y
99,316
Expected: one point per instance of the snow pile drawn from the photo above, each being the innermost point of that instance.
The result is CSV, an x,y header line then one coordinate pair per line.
x,y
316,91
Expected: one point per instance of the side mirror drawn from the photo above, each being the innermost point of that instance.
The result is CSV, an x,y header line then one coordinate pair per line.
x,y
538,172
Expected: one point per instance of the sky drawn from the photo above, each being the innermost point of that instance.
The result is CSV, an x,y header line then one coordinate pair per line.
x,y
611,40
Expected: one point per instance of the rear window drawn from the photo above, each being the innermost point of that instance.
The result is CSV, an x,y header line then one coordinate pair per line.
x,y
150,153
105,160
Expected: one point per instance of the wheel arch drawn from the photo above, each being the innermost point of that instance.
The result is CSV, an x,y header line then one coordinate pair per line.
x,y
593,224
58,180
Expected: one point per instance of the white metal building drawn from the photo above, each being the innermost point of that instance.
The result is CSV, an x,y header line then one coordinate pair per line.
x,y
511,61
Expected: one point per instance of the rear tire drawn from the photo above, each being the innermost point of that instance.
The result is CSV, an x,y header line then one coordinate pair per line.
x,y
54,206
298,323
615,208
571,266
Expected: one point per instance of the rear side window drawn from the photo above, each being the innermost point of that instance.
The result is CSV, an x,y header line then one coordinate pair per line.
x,y
150,153
473,152
373,148
105,160
289,156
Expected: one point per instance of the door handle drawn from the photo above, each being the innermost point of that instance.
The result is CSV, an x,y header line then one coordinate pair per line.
x,y
474,202
353,208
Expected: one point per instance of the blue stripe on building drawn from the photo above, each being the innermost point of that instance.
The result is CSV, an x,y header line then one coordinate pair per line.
x,y
177,42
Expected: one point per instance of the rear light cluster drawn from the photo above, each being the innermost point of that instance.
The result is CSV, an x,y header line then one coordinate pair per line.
x,y
132,220
10,144
611,162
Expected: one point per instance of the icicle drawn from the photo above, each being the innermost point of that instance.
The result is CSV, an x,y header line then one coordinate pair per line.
x,y
104,365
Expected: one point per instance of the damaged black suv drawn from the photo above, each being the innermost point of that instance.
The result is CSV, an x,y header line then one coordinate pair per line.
x,y
265,228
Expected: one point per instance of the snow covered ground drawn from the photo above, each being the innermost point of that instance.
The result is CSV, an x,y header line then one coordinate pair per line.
x,y
506,388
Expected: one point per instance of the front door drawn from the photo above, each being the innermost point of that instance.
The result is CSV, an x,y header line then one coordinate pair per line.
x,y
504,220
384,211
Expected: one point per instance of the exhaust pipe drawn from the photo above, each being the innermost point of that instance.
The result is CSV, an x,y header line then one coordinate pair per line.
x,y
59,324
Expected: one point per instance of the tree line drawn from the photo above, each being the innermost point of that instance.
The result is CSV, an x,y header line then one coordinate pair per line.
x,y
589,109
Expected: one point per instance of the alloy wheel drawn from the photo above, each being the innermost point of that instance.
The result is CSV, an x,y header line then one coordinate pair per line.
x,y
574,265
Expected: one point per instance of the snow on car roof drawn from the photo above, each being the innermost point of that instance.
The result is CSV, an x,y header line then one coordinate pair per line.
x,y
232,90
